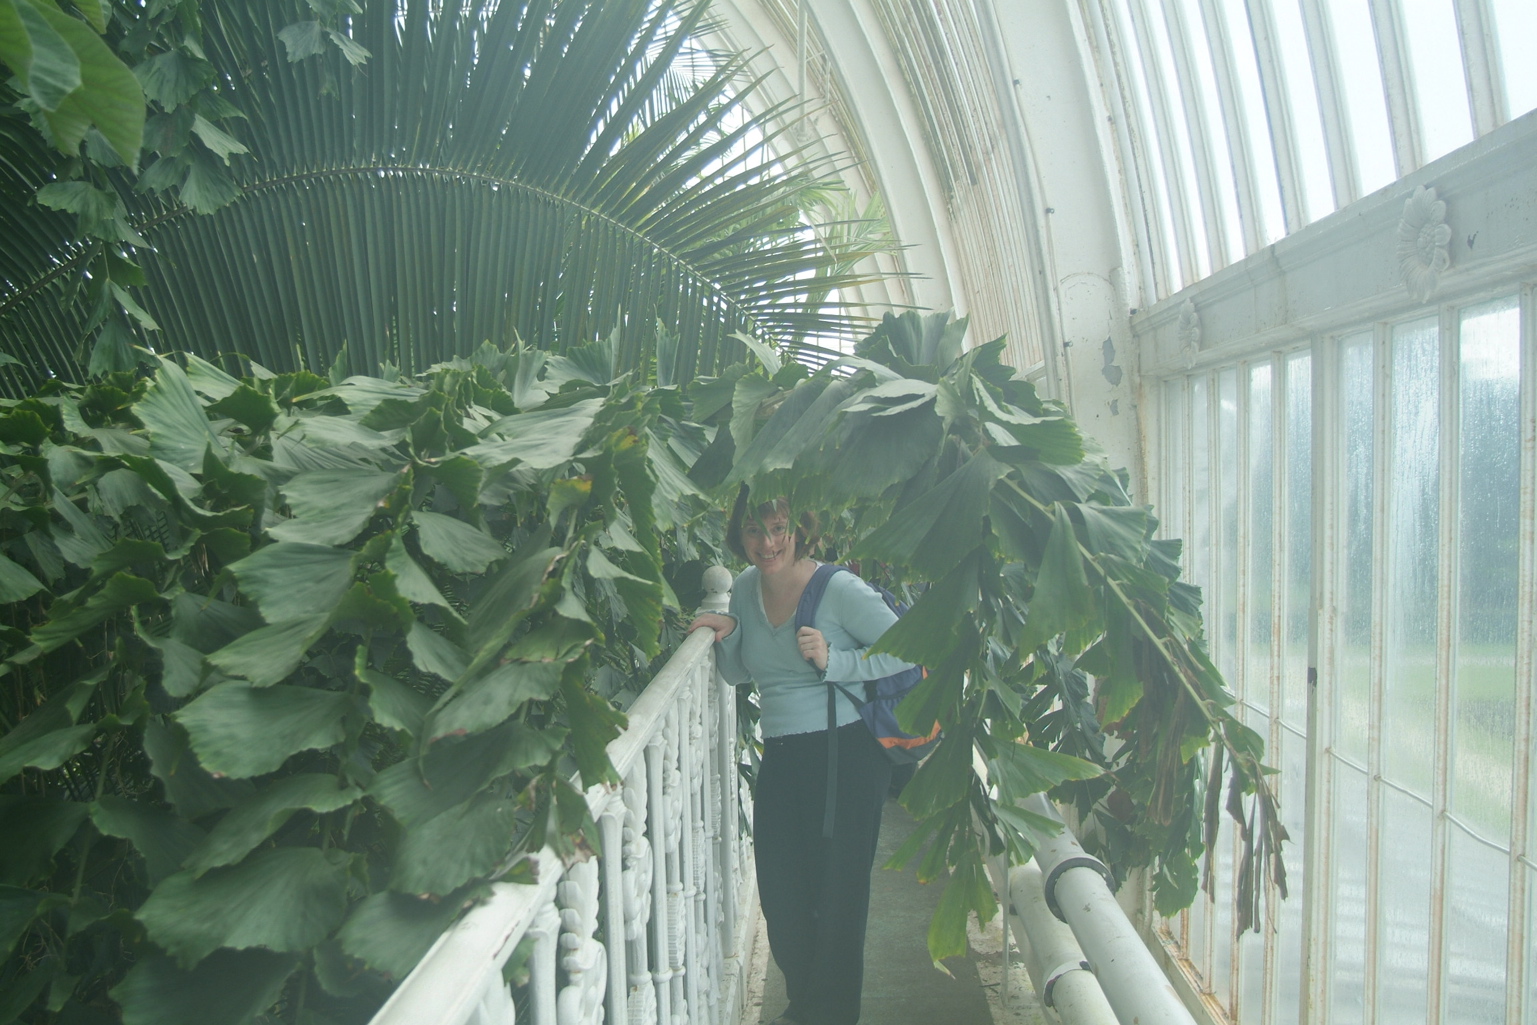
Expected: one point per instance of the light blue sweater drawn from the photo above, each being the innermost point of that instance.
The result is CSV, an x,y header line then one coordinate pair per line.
x,y
852,616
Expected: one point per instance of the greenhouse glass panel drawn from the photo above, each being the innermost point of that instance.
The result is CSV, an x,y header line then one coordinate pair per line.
x,y
1222,603
1298,469
1302,99
1403,917
1440,88
1189,12
1515,26
1158,187
1163,62
1489,461
1347,898
1252,101
1476,898
1353,687
1257,595
1409,693
1291,758
1224,938
1360,78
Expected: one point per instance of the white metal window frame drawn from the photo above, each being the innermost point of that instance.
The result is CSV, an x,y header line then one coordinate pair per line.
x,y
1170,118
1322,284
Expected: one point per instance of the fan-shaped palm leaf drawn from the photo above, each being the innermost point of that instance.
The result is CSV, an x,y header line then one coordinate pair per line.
x,y
495,170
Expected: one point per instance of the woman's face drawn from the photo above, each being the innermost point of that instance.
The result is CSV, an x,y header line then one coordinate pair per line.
x,y
770,542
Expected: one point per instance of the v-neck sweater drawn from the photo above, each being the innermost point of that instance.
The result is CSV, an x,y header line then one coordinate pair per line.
x,y
851,616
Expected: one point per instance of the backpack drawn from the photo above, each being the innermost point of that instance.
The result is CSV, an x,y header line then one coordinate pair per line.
x,y
877,706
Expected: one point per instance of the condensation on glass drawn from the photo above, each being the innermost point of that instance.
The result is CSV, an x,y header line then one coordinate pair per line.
x,y
1407,436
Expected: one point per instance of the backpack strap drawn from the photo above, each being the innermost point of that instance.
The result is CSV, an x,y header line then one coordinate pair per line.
x,y
805,615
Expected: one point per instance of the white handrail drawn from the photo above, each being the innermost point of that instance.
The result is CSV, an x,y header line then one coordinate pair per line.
x,y
667,882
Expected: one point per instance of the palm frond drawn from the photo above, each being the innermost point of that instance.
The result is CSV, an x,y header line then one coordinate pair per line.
x,y
523,169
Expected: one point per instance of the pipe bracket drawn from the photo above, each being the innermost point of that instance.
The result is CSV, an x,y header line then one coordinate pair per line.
x,y
1057,973
1080,861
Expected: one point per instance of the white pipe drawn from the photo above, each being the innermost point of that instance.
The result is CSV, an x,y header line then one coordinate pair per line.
x,y
1057,966
1075,888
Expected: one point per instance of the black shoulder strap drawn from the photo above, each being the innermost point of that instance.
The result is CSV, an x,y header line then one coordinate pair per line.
x,y
811,597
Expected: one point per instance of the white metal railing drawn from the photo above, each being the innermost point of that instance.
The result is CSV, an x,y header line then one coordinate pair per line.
x,y
670,889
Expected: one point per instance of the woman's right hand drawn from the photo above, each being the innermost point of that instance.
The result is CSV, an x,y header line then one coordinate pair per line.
x,y
722,625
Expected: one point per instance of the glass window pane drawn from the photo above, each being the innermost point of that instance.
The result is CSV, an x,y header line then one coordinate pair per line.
x,y
1302,97
1158,188
1477,892
1360,79
1409,700
1404,895
1299,539
1223,885
1164,62
1223,603
1172,515
1291,758
1515,26
1347,901
1257,675
1484,731
1257,123
1435,62
1189,13
1353,688
1199,557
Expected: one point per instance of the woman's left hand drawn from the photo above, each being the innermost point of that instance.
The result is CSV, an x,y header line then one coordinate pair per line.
x,y
813,646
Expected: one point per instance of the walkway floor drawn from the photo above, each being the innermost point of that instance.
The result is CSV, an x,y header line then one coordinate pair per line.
x,y
902,986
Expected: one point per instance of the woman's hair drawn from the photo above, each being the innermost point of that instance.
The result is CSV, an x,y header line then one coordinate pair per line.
x,y
807,529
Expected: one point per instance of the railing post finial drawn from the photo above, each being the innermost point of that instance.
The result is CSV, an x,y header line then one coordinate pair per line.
x,y
717,589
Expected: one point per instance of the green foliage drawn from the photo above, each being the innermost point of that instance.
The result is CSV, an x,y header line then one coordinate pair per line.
x,y
283,690
353,184
1061,645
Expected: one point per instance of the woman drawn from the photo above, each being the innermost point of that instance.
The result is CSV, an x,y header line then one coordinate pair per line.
x,y
814,889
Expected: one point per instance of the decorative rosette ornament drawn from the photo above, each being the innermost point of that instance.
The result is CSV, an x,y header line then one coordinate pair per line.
x,y
1189,332
1423,239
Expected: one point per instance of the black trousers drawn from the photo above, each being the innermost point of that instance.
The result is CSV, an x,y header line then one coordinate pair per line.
x,y
815,890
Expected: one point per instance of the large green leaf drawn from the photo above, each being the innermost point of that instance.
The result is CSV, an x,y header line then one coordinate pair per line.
x,y
509,598
74,76
163,839
239,730
541,440
490,700
35,828
48,751
454,544
1024,769
229,987
191,788
178,427
330,507
15,582
284,900
295,581
455,768
936,530
443,853
268,654
17,909
249,824
122,591
434,653
391,931
1063,599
